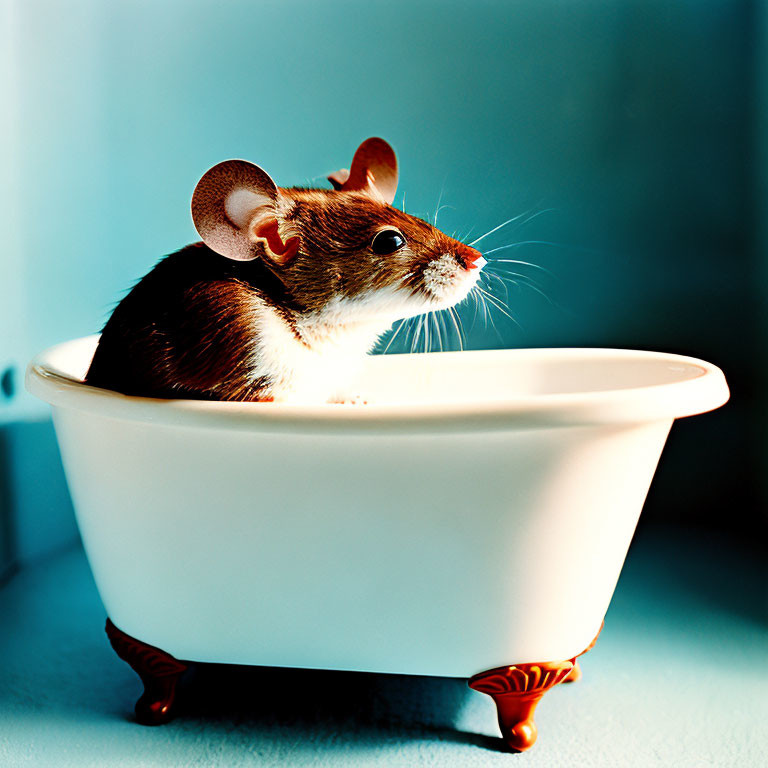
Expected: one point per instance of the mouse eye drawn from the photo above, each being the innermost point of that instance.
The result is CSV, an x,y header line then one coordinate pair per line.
x,y
387,241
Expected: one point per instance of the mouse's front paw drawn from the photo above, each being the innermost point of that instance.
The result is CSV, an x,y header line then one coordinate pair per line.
x,y
347,399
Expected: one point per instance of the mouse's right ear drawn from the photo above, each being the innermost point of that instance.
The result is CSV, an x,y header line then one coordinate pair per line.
x,y
236,211
373,171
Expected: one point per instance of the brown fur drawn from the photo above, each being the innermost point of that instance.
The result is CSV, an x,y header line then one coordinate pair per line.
x,y
337,228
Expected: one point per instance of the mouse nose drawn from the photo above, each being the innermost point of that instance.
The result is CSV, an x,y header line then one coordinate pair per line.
x,y
472,258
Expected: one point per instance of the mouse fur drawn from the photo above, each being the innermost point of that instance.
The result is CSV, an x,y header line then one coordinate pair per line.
x,y
287,293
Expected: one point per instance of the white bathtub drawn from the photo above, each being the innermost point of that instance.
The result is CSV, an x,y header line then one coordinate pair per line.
x,y
475,513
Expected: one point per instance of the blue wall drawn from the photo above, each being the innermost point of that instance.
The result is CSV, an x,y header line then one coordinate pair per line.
x,y
628,126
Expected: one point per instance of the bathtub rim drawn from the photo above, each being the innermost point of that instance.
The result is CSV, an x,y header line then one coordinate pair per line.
x,y
702,392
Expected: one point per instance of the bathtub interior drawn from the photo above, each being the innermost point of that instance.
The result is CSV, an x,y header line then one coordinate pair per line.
x,y
483,376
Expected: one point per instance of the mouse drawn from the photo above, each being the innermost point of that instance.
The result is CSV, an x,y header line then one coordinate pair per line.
x,y
287,291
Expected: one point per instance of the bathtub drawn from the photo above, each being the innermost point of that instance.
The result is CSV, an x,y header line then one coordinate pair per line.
x,y
471,520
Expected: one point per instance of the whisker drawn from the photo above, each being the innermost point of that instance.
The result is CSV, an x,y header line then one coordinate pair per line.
x,y
459,326
406,326
310,182
489,316
527,281
430,319
417,334
394,335
521,243
542,294
439,199
503,276
549,243
452,207
440,316
534,286
485,292
476,296
437,330
493,300
501,282
510,221
452,314
412,325
515,261
491,231
484,303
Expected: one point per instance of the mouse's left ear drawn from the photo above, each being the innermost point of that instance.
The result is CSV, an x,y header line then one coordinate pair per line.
x,y
237,210
373,171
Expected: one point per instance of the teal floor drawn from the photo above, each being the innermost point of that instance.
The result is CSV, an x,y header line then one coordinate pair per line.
x,y
678,678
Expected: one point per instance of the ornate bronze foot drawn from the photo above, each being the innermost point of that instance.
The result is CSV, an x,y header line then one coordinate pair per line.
x,y
574,675
516,691
158,670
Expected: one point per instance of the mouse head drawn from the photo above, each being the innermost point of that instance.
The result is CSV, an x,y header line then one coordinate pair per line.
x,y
346,253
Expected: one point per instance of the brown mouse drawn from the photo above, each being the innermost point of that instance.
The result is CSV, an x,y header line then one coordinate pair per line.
x,y
288,291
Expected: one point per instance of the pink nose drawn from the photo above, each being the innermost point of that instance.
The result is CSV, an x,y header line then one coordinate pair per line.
x,y
470,256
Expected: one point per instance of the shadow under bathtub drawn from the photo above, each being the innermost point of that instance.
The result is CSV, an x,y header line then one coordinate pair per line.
x,y
381,707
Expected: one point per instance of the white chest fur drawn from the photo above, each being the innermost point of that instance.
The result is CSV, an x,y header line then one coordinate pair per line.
x,y
320,366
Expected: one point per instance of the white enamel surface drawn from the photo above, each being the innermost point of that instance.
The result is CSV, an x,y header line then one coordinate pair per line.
x,y
476,513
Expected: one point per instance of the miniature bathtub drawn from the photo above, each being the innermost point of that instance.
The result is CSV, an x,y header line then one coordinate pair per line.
x,y
475,513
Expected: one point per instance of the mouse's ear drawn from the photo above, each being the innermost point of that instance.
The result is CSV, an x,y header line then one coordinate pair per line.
x,y
373,171
236,211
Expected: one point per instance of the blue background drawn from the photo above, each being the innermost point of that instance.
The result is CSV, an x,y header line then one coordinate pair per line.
x,y
629,134
626,133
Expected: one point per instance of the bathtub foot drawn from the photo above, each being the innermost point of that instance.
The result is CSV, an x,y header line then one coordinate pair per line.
x,y
158,670
575,674
516,691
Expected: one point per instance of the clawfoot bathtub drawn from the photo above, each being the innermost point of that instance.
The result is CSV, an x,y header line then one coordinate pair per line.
x,y
470,520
